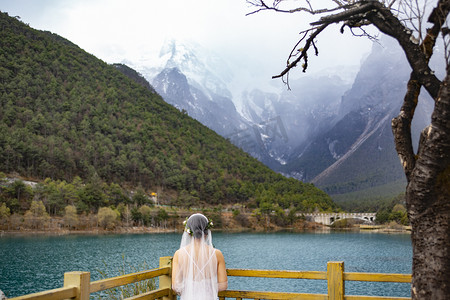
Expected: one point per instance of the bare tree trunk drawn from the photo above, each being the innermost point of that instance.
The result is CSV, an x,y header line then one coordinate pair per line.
x,y
428,201
428,172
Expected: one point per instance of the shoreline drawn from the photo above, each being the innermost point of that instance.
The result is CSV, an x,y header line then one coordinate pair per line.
x,y
153,230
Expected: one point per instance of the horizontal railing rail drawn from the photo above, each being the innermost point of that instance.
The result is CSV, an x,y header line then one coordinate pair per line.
x,y
377,277
270,295
55,294
108,283
77,285
277,274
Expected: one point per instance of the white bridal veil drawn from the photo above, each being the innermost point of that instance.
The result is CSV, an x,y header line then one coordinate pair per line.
x,y
196,275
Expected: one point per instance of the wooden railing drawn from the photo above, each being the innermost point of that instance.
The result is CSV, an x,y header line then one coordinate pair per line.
x,y
335,277
77,285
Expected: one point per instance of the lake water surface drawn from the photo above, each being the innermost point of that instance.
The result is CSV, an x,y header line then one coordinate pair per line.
x,y
30,264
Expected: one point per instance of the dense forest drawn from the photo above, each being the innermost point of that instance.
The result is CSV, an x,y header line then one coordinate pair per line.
x,y
69,118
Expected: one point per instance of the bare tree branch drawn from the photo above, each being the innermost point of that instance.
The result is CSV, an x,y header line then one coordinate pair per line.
x,y
386,22
323,23
391,4
363,13
401,125
354,11
276,7
304,52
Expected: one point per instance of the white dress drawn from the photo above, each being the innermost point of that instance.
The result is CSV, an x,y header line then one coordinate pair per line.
x,y
195,264
196,278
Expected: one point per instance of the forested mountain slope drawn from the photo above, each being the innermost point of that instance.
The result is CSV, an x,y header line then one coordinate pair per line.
x,y
64,113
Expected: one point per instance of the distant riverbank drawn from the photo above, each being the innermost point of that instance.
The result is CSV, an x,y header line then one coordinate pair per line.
x,y
223,221
310,227
131,230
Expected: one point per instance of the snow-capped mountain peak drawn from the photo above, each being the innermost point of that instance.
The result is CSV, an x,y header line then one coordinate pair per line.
x,y
203,69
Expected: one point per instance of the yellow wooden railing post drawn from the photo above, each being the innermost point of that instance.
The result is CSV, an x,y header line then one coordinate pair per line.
x,y
80,280
335,278
165,281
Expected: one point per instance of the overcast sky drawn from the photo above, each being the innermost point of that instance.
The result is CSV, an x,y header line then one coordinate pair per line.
x,y
116,31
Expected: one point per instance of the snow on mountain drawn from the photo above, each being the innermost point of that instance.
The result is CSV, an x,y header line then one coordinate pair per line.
x,y
357,151
331,128
202,68
255,112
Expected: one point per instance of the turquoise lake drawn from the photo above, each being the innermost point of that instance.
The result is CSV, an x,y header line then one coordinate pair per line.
x,y
30,264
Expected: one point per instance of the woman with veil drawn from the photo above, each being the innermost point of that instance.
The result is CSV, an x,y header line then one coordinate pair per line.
x,y
198,270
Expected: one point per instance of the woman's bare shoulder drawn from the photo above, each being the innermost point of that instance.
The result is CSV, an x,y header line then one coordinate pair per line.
x,y
177,253
219,253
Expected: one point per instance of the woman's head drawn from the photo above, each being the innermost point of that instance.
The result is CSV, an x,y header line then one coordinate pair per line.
x,y
197,224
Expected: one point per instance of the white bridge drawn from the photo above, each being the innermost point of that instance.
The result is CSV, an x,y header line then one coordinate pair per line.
x,y
330,218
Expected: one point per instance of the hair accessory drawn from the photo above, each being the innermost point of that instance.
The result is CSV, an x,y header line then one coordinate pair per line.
x,y
186,228
189,230
210,224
